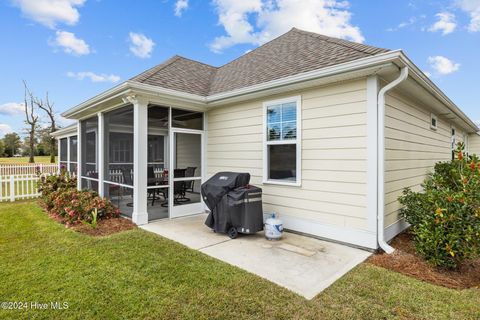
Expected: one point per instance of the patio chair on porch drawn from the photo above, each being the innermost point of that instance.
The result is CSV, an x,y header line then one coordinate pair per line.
x,y
188,185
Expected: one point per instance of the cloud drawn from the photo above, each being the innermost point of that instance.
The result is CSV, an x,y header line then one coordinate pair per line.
x,y
70,43
12,109
140,45
180,6
93,76
51,12
446,23
442,65
258,21
472,7
5,128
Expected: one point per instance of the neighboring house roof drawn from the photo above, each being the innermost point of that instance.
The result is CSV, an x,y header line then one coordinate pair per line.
x,y
294,52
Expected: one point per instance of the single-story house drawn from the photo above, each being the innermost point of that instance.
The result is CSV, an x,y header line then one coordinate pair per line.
x,y
331,130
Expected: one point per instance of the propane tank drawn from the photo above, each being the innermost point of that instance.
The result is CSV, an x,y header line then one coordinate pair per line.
x,y
273,228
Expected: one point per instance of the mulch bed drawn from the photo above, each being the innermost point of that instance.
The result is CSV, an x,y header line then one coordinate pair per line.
x,y
104,227
404,260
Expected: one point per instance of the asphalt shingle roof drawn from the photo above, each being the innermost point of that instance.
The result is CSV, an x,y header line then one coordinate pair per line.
x,y
295,52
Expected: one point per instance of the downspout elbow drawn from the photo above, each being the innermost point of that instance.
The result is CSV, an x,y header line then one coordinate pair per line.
x,y
381,160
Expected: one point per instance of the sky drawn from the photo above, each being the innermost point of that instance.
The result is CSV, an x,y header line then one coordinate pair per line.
x,y
75,49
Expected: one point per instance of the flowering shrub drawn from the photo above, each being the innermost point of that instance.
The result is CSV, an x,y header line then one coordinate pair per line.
x,y
74,205
61,198
445,217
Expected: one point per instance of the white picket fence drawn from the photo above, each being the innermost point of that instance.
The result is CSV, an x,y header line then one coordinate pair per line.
x,y
18,187
27,168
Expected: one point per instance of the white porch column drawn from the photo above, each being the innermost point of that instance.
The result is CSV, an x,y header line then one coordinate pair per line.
x,y
101,154
79,155
140,147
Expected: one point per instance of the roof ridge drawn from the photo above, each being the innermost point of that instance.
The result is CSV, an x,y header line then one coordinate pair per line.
x,y
341,42
153,70
255,49
196,61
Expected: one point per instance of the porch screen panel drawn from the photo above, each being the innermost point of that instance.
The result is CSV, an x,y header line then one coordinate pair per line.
x,y
89,132
64,153
73,154
118,146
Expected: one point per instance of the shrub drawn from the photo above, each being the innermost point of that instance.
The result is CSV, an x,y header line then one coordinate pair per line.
x,y
61,198
47,185
74,205
445,216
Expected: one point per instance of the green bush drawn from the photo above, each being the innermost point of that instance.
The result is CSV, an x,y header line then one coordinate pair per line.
x,y
445,216
47,185
61,198
75,206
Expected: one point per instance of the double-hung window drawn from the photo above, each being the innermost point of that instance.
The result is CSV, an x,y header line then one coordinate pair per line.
x,y
282,141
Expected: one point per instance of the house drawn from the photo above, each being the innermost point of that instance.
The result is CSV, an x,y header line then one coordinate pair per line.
x,y
331,130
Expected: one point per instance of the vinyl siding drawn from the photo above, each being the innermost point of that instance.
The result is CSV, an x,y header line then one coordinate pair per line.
x,y
411,148
474,143
334,154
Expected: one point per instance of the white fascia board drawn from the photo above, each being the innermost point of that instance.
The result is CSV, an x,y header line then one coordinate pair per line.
x,y
115,91
65,132
220,98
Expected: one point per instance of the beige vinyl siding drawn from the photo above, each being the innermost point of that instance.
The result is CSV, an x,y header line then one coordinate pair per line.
x,y
334,153
411,148
474,143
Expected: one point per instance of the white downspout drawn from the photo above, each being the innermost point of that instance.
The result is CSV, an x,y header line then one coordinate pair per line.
x,y
381,160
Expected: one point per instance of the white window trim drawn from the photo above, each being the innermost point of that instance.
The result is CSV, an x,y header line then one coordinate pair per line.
x,y
297,141
432,117
453,140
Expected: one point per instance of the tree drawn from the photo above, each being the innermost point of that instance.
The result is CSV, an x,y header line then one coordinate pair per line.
x,y
31,119
2,148
12,143
47,107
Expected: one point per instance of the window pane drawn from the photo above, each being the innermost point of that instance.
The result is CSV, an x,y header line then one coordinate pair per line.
x,y
73,148
273,132
273,114
89,130
289,112
282,122
63,149
118,145
282,162
289,130
187,119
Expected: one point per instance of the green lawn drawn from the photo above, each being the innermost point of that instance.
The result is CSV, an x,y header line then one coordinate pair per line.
x,y
38,159
136,274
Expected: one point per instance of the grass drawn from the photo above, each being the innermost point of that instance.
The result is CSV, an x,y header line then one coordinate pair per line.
x,y
136,274
12,160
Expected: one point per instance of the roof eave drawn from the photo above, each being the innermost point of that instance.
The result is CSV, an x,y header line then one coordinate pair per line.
x,y
431,87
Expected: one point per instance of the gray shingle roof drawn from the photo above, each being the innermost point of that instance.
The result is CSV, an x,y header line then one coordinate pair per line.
x,y
294,52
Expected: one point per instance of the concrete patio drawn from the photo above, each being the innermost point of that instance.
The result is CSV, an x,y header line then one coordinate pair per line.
x,y
304,265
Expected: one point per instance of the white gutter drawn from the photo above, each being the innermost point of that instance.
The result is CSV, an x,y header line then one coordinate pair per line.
x,y
381,160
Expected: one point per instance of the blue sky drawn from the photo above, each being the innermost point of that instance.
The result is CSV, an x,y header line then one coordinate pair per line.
x,y
75,49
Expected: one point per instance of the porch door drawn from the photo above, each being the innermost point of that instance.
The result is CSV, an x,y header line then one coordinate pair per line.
x,y
186,172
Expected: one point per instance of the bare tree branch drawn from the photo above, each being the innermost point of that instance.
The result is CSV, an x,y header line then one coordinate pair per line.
x,y
31,120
